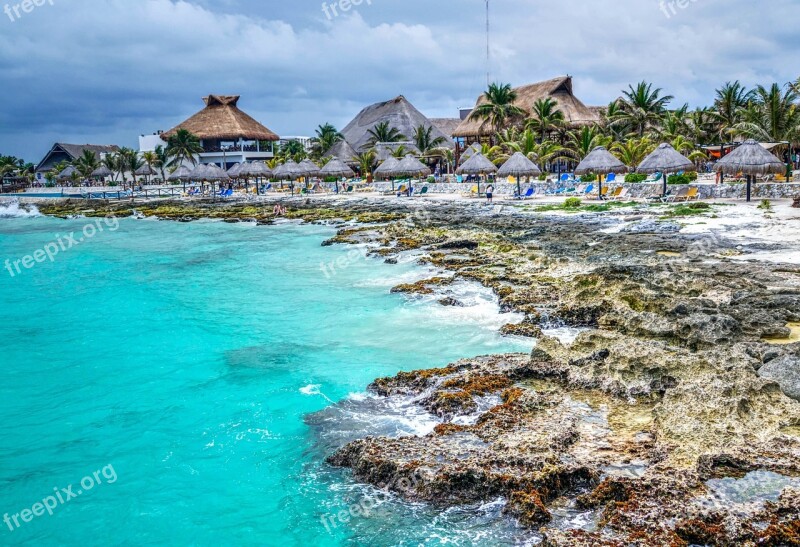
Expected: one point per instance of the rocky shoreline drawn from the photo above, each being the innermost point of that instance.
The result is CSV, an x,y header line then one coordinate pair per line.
x,y
686,373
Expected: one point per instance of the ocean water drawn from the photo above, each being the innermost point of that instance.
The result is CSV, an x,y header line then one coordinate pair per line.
x,y
198,374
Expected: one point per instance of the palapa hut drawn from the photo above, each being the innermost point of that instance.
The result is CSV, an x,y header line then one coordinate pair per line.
x,y
576,114
601,162
182,173
336,168
665,159
342,151
478,164
519,166
750,159
385,168
62,152
227,134
399,113
102,172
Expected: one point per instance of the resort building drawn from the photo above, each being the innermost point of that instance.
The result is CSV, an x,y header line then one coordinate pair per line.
x,y
305,141
227,135
62,152
399,114
576,114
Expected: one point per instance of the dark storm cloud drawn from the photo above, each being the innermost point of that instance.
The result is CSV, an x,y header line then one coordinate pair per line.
x,y
105,71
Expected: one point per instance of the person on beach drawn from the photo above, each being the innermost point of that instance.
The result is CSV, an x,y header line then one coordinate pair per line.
x,y
489,194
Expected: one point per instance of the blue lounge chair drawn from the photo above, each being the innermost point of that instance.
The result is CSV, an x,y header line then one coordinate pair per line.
x,y
528,194
612,177
589,190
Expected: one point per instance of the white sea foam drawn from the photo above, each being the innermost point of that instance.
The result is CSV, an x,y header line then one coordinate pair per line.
x,y
12,209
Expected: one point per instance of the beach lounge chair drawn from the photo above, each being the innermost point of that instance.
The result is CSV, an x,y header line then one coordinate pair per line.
x,y
691,194
613,195
422,192
675,195
622,193
612,177
655,177
528,194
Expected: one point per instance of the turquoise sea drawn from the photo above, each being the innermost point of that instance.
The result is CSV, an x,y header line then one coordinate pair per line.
x,y
205,370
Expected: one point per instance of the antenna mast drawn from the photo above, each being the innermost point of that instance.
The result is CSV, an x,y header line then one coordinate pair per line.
x,y
488,51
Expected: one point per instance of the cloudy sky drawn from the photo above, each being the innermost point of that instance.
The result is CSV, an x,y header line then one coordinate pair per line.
x,y
105,71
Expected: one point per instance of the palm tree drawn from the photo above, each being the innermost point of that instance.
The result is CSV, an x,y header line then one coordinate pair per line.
x,y
498,109
545,117
183,146
292,150
641,108
150,160
424,140
383,132
772,116
161,161
327,136
86,163
703,127
580,143
112,162
633,151
366,161
400,152
731,100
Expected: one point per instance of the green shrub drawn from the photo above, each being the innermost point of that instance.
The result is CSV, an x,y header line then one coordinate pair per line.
x,y
692,175
635,177
330,179
572,203
543,177
589,177
679,179
431,179
766,205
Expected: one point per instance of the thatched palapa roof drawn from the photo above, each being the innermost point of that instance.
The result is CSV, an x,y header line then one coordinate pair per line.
x,y
602,162
409,167
398,112
336,168
478,164
342,151
750,158
221,119
665,159
576,113
519,166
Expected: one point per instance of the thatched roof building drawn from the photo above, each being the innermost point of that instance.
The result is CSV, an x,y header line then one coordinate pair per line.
x,y
342,151
221,119
399,113
575,112
70,152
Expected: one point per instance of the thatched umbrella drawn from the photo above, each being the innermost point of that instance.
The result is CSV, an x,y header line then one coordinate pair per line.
x,y
309,168
665,159
336,168
255,169
292,171
477,164
602,162
409,167
144,171
102,172
67,172
235,171
385,169
751,159
182,173
518,166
